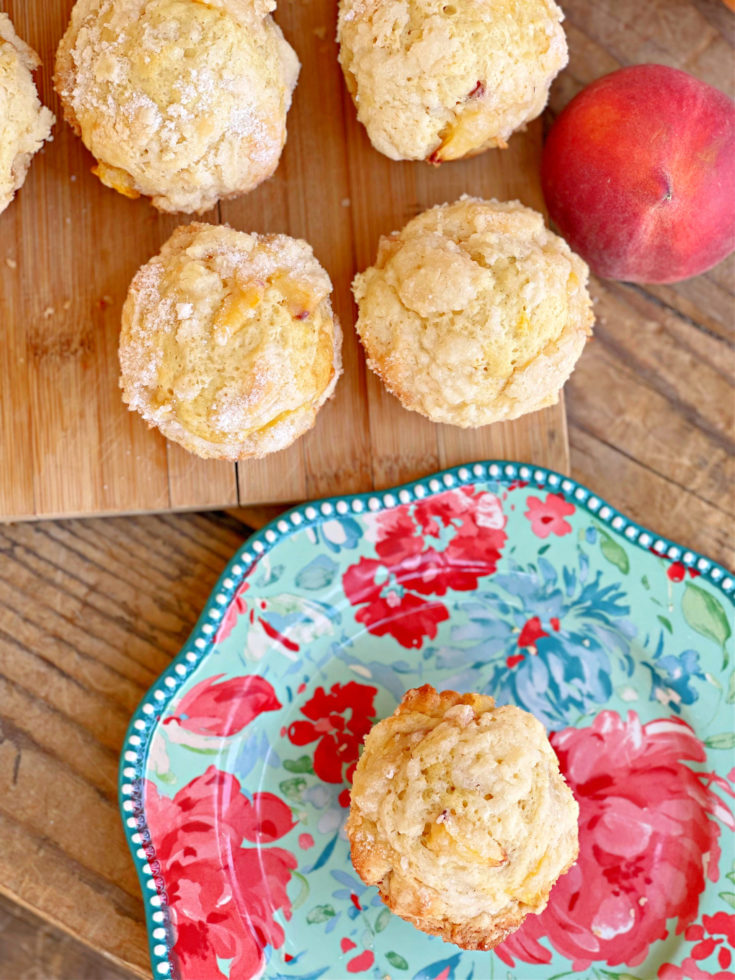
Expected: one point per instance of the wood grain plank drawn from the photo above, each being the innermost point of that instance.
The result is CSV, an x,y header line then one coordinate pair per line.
x,y
539,438
625,391
54,885
16,457
199,483
88,617
650,497
669,32
33,949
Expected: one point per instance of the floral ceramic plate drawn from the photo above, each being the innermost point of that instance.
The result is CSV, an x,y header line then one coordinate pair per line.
x,y
495,577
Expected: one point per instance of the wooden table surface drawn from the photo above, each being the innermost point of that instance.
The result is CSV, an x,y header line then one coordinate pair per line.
x,y
91,611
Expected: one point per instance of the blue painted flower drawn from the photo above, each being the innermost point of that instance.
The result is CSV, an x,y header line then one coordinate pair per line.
x,y
545,641
672,676
338,535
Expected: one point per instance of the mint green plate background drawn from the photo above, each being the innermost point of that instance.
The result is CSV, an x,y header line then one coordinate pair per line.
x,y
630,606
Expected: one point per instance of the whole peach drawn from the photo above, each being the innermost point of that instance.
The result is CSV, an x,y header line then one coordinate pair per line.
x,y
638,173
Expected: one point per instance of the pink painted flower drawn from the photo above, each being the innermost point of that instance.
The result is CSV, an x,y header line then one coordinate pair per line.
x,y
547,517
647,838
363,961
222,708
236,608
222,896
716,934
424,549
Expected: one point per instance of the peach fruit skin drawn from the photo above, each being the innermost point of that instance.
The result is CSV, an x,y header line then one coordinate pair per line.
x,y
638,173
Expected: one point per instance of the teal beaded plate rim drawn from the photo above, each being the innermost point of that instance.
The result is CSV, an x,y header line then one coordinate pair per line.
x,y
491,474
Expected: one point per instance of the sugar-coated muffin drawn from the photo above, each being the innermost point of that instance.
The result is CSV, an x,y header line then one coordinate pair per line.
x,y
179,100
229,344
474,313
442,79
460,816
24,123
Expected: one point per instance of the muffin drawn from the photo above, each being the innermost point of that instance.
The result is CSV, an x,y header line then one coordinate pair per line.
x,y
179,100
436,80
24,123
229,345
474,313
460,816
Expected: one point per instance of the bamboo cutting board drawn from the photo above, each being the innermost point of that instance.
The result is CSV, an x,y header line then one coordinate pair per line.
x,y
69,247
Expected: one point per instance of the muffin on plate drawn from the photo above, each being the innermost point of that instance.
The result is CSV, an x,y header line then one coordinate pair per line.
x,y
24,123
442,79
228,344
474,312
179,100
460,816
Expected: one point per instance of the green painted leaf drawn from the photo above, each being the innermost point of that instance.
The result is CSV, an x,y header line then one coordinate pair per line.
x,y
169,778
617,976
731,876
731,689
293,788
728,897
382,921
198,751
645,583
665,622
705,614
302,764
725,740
396,960
711,679
320,913
614,552
304,892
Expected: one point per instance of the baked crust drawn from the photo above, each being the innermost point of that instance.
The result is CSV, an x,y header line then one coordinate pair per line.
x,y
182,101
228,343
460,816
474,313
439,81
25,124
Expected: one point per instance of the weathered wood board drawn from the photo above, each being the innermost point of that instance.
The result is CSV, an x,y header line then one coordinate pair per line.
x,y
69,247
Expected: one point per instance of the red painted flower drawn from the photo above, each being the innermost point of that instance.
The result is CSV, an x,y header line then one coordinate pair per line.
x,y
222,896
717,933
224,708
338,721
646,838
395,591
388,608
547,517
532,631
